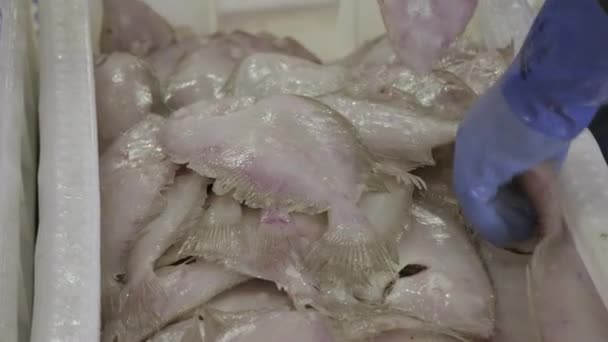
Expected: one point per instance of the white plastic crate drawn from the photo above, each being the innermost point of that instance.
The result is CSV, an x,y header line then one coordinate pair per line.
x,y
18,162
67,276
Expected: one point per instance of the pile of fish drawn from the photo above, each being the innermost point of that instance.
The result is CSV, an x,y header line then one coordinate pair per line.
x,y
251,193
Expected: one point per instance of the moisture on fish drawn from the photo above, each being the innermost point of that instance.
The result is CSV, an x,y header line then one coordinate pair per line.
x,y
252,192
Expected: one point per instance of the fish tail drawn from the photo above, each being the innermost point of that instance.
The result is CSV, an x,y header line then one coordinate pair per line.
x,y
140,302
350,255
215,242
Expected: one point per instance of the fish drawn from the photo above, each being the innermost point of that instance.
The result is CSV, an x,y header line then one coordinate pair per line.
x,y
134,171
134,27
479,71
187,287
441,278
126,90
165,61
262,326
328,169
241,239
376,75
514,320
201,74
264,74
253,295
401,138
184,201
181,332
438,179
420,30
389,214
389,211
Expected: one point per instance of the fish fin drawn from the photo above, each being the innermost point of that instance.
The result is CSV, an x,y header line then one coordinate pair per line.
x,y
141,300
253,196
215,242
350,255
218,323
402,175
357,320
276,260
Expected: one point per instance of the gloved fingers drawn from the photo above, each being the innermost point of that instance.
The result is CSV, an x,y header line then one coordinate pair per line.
x,y
517,211
505,219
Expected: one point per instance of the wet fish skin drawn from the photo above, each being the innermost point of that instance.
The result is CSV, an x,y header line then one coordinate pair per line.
x,y
454,291
203,73
265,74
187,287
184,199
258,147
252,295
134,171
133,26
178,332
239,239
247,152
375,75
295,326
126,90
420,30
406,134
165,61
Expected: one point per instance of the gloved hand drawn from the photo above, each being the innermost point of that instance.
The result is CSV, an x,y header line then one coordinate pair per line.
x,y
493,146
549,94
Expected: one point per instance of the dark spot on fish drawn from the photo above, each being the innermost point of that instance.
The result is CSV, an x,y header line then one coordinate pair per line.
x,y
115,339
518,251
604,236
388,289
308,307
121,278
182,261
200,318
412,269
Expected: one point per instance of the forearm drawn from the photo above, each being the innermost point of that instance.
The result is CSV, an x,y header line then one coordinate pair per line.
x,y
560,76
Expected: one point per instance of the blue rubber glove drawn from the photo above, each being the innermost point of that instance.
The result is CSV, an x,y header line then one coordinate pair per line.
x,y
547,96
493,146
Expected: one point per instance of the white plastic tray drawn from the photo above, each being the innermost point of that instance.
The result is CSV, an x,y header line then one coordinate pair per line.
x,y
67,276
18,154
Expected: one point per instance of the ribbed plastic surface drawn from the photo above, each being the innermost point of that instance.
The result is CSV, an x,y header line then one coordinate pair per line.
x,y
67,283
